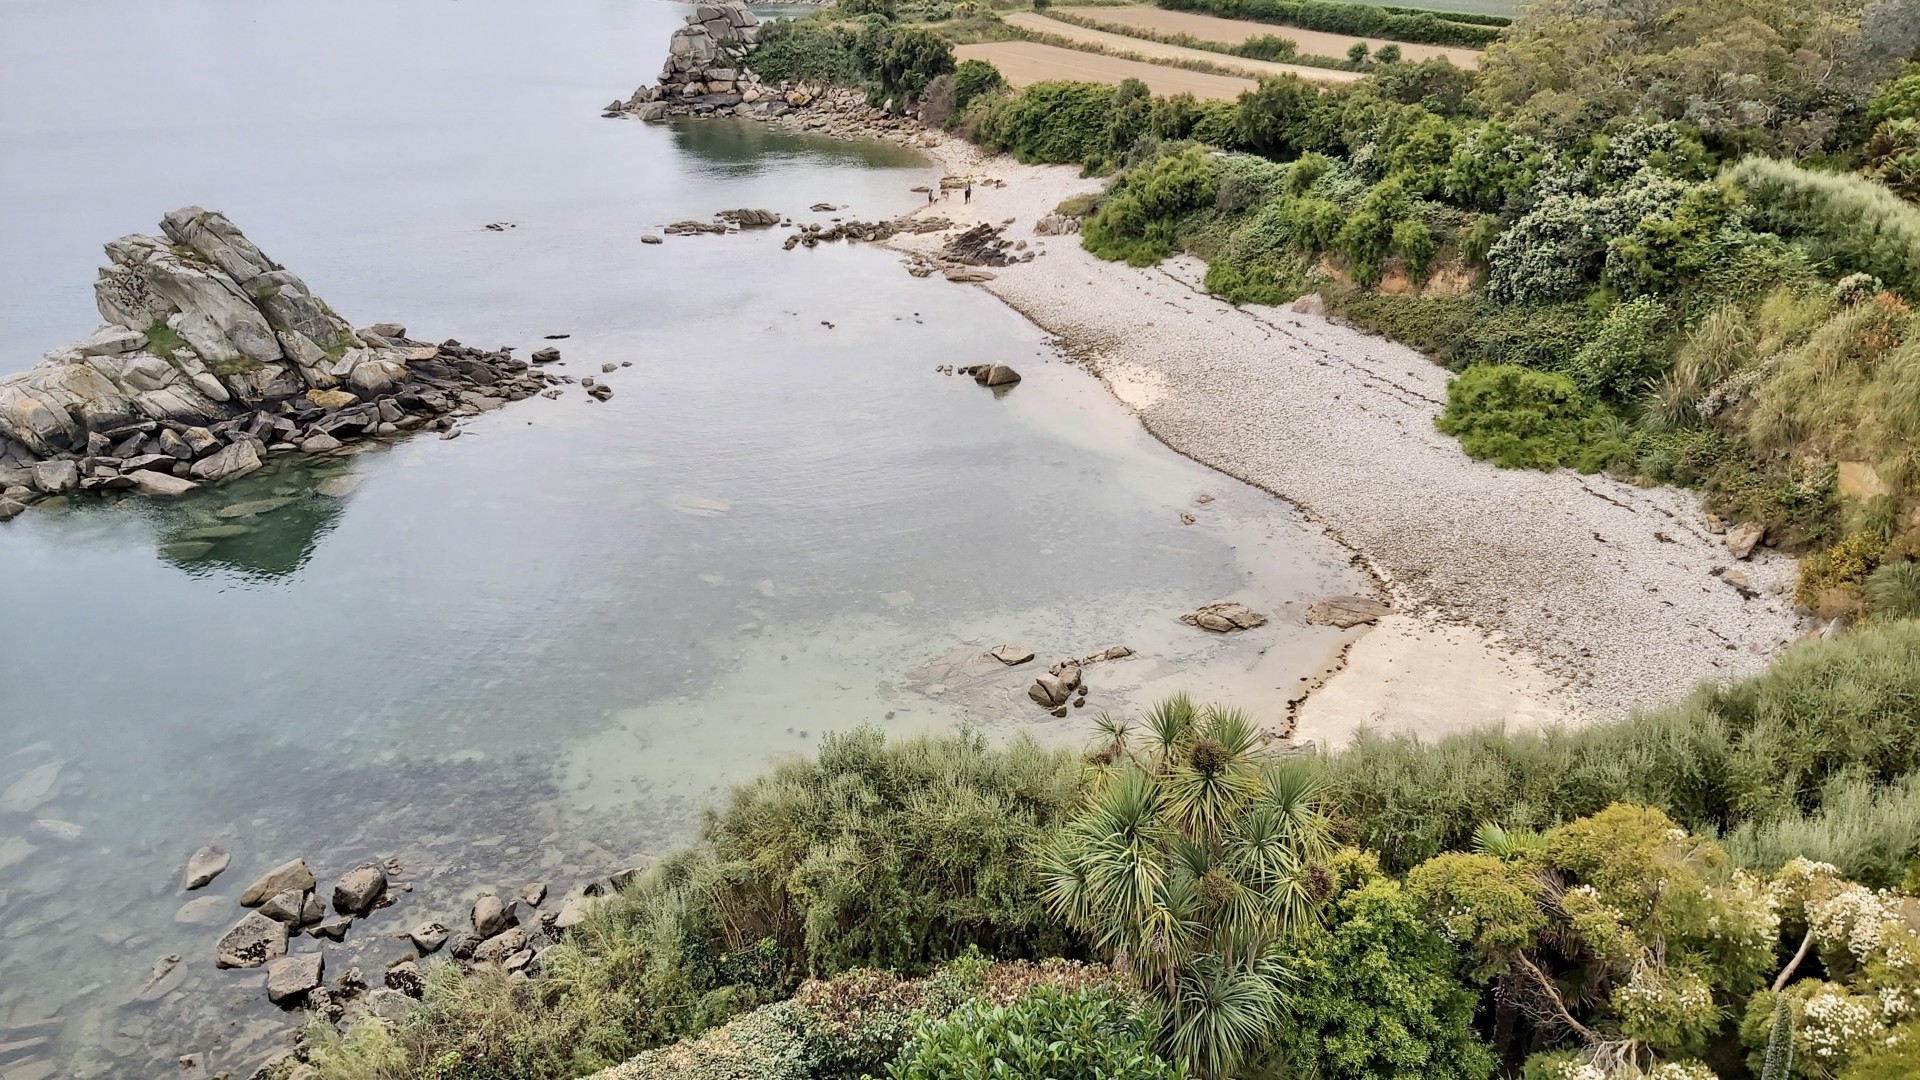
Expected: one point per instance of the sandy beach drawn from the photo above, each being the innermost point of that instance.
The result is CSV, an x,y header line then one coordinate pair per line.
x,y
1520,597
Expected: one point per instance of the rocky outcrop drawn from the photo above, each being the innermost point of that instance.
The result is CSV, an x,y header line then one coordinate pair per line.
x,y
213,358
706,66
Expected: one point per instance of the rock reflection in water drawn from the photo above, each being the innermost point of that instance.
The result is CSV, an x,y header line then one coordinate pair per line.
x,y
267,525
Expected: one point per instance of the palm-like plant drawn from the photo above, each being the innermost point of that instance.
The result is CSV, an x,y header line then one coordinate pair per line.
x,y
1196,854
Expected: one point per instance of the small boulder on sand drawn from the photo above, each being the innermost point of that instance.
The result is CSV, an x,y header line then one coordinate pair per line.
x,y
1744,537
1346,611
1225,617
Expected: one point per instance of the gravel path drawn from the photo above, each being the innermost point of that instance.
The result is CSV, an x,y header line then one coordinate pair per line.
x,y
1607,586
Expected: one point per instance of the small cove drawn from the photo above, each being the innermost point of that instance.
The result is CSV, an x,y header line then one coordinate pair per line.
x,y
532,653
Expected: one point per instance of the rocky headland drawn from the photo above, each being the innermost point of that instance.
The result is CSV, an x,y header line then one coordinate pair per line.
x,y
214,357
708,74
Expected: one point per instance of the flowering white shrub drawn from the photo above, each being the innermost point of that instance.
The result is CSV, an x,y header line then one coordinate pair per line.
x,y
1835,1025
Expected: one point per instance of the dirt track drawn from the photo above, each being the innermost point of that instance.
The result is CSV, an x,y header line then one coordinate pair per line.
x,y
1026,62
1156,51
1235,31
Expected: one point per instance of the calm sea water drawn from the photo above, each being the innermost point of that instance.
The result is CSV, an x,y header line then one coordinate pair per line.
x,y
534,652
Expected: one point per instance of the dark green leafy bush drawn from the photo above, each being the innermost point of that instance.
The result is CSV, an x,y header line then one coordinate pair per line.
x,y
971,79
1524,419
1377,997
799,50
1136,221
1051,123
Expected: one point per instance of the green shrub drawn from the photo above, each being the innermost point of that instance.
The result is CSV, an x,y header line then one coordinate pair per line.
x,y
1376,997
1136,221
799,50
1854,224
1055,1034
1869,832
1628,353
1269,47
1474,329
1768,747
1519,418
1280,118
856,8
1893,591
1899,99
896,854
971,79
1050,123
908,58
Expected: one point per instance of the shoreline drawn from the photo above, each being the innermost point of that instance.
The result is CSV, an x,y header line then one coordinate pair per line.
x,y
1539,598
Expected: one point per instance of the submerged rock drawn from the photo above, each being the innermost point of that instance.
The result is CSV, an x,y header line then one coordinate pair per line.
x,y
1011,655
31,791
429,936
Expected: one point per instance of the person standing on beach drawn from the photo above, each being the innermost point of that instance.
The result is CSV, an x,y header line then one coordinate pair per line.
x,y
967,196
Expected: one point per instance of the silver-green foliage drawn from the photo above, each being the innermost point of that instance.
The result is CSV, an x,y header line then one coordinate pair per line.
x,y
1557,250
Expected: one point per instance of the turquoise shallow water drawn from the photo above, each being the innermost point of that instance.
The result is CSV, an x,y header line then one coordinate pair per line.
x,y
533,652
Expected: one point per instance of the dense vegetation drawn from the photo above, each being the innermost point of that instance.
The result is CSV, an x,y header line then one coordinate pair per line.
x,y
1553,902
1680,238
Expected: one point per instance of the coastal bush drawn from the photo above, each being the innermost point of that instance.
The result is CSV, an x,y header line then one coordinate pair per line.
x,y
1764,748
890,853
1893,590
1056,1034
858,1023
1375,997
1627,354
1137,219
1358,20
802,50
1870,833
1280,118
1050,123
907,58
1461,331
971,79
1519,418
1848,222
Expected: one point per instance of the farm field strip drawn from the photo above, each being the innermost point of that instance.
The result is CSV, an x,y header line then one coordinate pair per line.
x,y
1235,31
1161,53
1024,63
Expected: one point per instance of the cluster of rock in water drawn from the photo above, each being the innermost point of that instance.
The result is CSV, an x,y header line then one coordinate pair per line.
x,y
215,357
287,904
